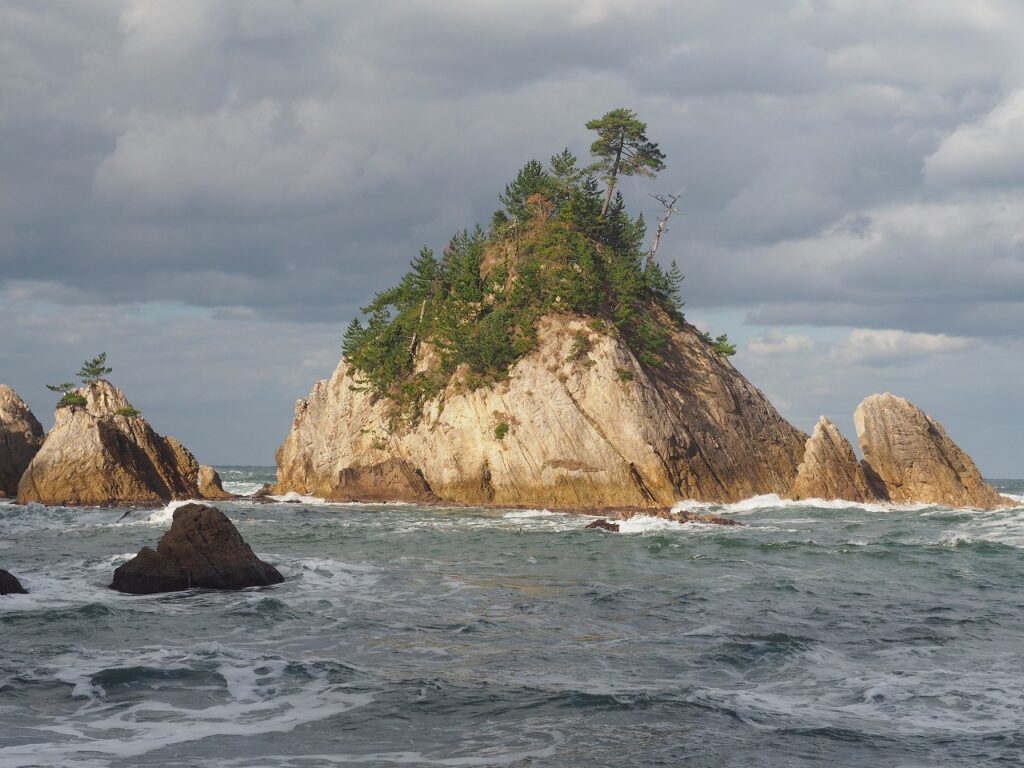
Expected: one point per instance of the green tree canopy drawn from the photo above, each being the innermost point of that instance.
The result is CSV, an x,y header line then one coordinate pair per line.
x,y
622,148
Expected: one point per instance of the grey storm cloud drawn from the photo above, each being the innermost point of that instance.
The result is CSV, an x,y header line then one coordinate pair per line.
x,y
262,168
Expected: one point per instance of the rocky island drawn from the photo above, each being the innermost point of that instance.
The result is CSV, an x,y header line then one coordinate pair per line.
x,y
102,452
546,362
21,435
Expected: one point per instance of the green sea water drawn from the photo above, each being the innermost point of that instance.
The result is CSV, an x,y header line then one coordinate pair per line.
x,y
815,635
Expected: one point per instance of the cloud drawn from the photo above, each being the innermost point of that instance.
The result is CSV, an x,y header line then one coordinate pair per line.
x,y
866,346
987,151
778,343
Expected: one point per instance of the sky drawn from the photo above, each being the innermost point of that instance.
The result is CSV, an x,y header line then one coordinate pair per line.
x,y
208,190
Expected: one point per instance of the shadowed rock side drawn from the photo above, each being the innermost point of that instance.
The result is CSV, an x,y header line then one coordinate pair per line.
x,y
830,469
210,486
913,456
21,435
9,585
103,453
202,548
593,429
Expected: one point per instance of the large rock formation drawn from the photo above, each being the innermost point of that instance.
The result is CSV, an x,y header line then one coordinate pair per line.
x,y
9,585
916,460
830,469
202,548
579,422
21,435
210,486
104,453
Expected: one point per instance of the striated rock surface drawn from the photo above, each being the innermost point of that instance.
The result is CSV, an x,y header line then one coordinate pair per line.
x,y
104,453
916,460
202,548
21,435
210,486
566,428
830,469
9,585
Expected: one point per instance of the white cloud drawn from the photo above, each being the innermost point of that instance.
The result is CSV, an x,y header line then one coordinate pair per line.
x,y
777,343
867,346
988,151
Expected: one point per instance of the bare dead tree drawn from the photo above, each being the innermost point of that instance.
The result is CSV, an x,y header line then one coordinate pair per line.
x,y
668,202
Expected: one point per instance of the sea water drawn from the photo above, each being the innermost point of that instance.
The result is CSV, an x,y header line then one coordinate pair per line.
x,y
818,634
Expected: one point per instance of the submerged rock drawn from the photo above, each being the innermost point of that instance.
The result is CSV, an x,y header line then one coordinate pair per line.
x,y
21,436
210,486
578,423
915,459
9,585
105,453
604,525
202,548
830,469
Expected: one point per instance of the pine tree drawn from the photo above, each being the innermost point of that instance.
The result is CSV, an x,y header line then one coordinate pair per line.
x,y
622,148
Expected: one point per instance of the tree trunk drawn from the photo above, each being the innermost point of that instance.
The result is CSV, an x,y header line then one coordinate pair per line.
x,y
614,173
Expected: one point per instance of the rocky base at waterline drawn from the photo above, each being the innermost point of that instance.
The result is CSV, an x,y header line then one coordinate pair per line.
x,y
9,585
662,514
202,548
21,436
104,453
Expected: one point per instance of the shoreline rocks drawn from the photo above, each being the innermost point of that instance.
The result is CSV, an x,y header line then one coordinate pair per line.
x,y
104,453
830,469
21,436
202,548
915,459
210,486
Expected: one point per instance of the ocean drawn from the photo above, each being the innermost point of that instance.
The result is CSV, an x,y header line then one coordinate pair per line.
x,y
819,634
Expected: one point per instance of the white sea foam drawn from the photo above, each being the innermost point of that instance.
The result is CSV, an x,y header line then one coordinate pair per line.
x,y
526,514
263,696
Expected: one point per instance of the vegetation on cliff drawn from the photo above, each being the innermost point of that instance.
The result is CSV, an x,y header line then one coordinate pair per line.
x,y
559,244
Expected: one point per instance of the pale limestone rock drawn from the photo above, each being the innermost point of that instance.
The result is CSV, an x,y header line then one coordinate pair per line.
x,y
913,456
21,435
210,486
830,469
94,455
592,430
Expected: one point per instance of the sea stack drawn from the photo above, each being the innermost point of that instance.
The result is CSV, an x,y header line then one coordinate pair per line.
x,y
578,422
103,452
202,548
830,469
21,436
915,459
210,486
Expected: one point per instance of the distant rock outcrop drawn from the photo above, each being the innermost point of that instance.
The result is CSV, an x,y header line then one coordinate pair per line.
x,y
21,436
830,469
9,585
105,453
210,486
577,423
202,548
916,460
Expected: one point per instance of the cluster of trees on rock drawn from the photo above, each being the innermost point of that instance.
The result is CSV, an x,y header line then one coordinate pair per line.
x,y
91,371
559,244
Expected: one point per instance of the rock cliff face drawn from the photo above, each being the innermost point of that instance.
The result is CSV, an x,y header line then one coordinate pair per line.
x,y
573,425
102,453
914,457
21,435
830,469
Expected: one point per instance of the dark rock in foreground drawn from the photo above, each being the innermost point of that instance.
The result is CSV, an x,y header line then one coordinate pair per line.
x,y
604,525
201,549
10,585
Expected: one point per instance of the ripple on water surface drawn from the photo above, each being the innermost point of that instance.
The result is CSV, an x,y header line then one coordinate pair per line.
x,y
817,634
